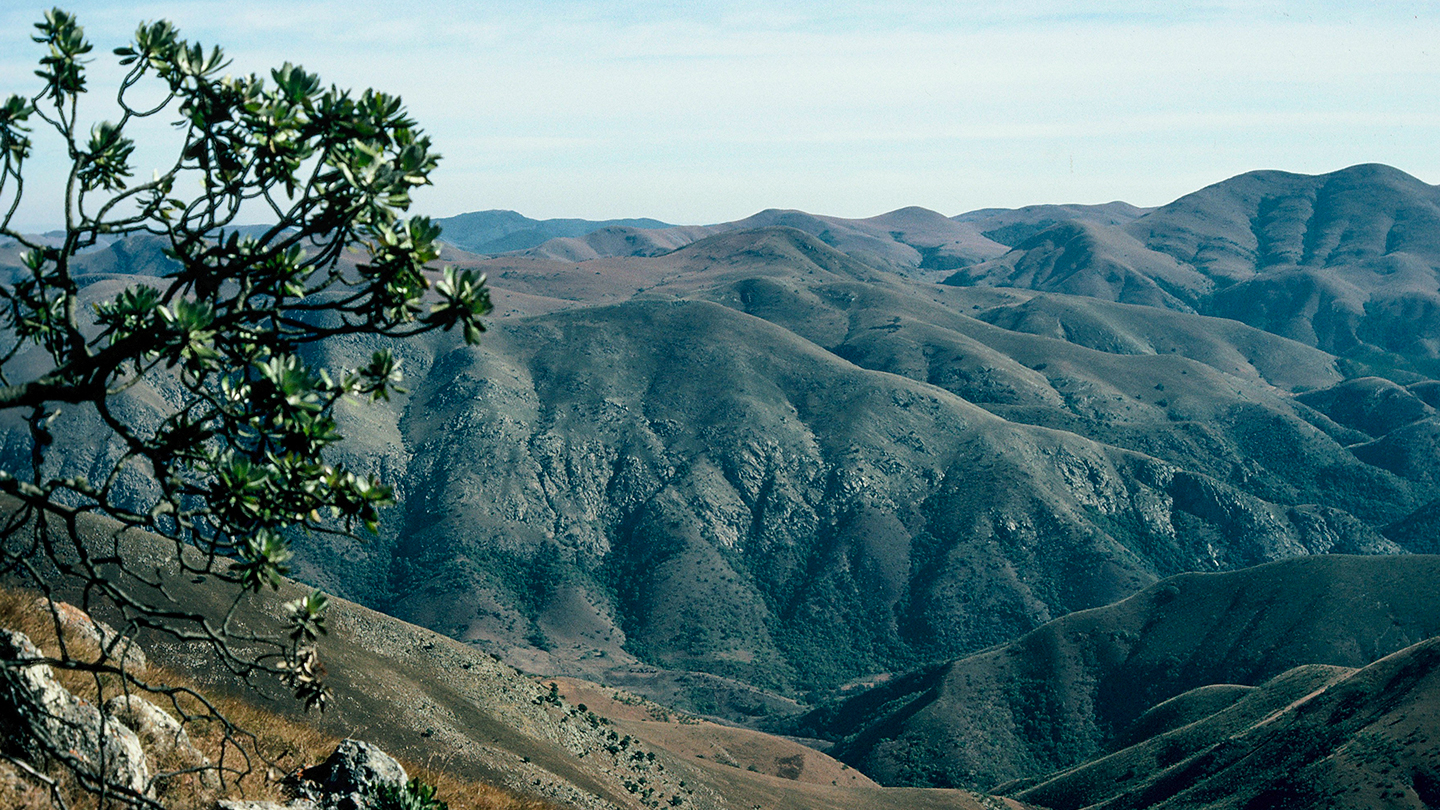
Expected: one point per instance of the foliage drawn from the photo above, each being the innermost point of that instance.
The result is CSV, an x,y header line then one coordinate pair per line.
x,y
239,461
414,795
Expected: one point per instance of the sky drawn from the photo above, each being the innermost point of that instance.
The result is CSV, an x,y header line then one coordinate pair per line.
x,y
709,111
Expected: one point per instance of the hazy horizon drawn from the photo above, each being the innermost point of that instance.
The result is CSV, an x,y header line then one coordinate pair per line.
x,y
708,114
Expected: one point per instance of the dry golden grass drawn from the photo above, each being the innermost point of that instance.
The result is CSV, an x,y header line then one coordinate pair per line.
x,y
252,762
461,794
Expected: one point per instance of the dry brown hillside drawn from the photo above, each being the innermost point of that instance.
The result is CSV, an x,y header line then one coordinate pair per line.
x,y
463,718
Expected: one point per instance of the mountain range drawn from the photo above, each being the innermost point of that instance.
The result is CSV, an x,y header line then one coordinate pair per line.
x,y
746,469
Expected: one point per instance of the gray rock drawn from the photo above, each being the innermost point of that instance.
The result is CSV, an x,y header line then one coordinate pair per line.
x,y
242,804
167,746
349,779
39,718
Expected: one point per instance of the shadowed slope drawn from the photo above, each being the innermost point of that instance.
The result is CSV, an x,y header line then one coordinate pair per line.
x,y
1347,739
1085,259
1011,226
701,463
1057,697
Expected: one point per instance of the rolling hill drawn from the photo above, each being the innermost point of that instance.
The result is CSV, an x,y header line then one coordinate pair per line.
x,y
742,469
911,241
1314,736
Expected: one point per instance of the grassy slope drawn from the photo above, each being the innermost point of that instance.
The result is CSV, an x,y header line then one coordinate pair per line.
x,y
690,736
279,744
1136,766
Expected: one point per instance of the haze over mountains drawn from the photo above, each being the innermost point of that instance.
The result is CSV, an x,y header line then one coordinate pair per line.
x,y
742,468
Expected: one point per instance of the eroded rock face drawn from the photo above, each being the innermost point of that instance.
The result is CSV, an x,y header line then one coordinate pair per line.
x,y
164,740
39,718
159,733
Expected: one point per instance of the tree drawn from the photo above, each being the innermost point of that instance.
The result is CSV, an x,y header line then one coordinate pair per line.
x,y
238,465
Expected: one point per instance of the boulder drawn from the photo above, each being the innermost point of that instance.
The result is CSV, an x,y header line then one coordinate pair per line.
x,y
77,622
351,777
40,719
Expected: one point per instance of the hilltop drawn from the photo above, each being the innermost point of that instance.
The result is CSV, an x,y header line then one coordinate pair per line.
x,y
1345,261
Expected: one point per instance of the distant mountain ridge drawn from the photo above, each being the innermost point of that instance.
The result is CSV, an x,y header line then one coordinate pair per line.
x,y
914,241
907,239
499,231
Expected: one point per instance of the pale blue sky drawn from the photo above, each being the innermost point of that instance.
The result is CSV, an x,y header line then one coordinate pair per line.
x,y
706,112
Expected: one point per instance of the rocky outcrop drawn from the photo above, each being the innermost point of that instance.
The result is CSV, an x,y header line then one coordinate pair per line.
x,y
128,738
41,720
350,779
77,623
